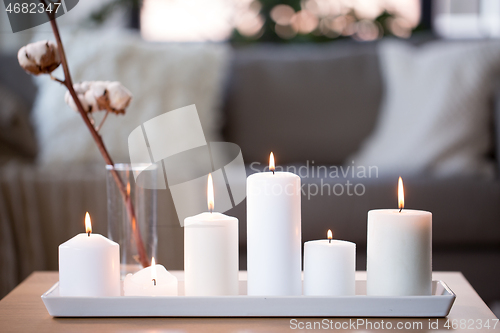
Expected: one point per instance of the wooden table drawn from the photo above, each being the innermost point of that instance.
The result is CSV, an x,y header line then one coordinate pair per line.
x,y
23,311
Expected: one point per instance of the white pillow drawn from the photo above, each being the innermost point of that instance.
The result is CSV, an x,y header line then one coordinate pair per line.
x,y
436,115
161,76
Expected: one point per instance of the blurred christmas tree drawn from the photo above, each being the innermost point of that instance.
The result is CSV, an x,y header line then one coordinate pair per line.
x,y
325,20
290,21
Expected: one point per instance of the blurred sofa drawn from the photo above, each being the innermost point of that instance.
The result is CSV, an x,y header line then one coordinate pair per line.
x,y
316,106
311,105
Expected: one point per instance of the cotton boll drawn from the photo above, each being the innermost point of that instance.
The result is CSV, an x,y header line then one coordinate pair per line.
x,y
69,100
100,96
49,59
99,88
84,86
26,62
40,57
91,101
119,97
37,50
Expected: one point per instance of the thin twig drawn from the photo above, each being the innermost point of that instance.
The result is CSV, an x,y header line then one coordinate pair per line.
x,y
102,121
58,80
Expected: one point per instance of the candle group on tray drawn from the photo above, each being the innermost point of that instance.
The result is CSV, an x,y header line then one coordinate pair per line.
x,y
399,252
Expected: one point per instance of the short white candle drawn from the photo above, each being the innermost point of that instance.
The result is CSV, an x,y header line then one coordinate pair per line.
x,y
329,267
399,251
210,252
274,233
154,280
89,265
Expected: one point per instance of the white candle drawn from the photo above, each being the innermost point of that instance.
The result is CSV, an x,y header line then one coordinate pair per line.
x,y
329,267
399,251
210,252
89,265
154,280
274,233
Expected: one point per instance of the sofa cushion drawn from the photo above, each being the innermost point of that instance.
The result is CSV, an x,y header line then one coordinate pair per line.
x,y
304,102
436,116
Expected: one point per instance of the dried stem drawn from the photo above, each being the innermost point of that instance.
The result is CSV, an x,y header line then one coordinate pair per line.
x,y
58,80
102,121
143,259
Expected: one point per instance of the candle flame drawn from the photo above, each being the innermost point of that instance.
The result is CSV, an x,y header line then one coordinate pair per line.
x,y
271,163
128,188
210,193
329,234
88,223
401,195
153,270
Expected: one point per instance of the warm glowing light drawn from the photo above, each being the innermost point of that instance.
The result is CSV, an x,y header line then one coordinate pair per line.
x,y
210,193
250,25
367,30
128,188
188,20
201,20
282,14
88,224
304,21
271,163
329,234
401,195
153,270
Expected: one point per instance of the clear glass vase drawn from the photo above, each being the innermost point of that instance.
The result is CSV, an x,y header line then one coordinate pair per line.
x,y
120,226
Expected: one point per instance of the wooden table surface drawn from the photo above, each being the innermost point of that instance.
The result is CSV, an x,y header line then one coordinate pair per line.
x,y
23,311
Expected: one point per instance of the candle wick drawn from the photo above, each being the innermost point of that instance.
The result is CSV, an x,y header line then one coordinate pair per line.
x,y
273,172
400,209
89,233
329,240
211,210
154,282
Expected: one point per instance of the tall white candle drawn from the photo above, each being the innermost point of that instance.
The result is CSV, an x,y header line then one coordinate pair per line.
x,y
154,280
210,252
329,267
399,251
89,265
274,233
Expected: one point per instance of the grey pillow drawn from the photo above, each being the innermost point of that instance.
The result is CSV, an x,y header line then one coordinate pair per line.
x,y
305,102
436,115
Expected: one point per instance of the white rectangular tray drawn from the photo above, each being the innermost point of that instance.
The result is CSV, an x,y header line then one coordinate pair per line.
x,y
436,305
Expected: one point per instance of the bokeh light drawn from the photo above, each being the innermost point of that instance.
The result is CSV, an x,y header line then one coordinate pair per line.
x,y
304,22
282,14
215,20
367,30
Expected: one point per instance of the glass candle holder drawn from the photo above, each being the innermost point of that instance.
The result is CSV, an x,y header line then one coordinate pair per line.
x,y
121,228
